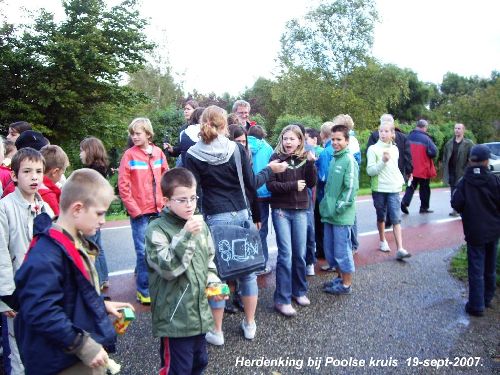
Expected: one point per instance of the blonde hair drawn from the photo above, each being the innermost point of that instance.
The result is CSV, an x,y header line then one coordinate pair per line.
x,y
344,120
87,186
387,119
141,123
55,157
213,121
326,129
300,152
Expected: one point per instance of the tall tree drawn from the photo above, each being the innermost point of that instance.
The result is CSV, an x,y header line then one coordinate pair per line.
x,y
331,39
67,76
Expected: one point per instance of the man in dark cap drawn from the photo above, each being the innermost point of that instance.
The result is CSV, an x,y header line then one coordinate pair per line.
x,y
31,138
477,199
423,150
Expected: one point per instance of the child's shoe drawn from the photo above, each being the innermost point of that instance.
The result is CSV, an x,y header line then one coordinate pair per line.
x,y
338,289
302,300
310,270
402,253
327,268
248,329
332,282
142,299
285,309
215,338
384,246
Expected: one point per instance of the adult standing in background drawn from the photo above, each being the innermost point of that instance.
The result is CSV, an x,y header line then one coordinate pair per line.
x,y
455,159
241,109
423,150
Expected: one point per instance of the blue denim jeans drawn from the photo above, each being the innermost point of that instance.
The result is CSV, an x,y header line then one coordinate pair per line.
x,y
101,265
311,235
248,283
482,274
139,226
264,229
291,237
338,247
387,204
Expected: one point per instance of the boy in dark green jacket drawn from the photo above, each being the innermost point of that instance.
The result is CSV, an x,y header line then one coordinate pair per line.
x,y
179,254
338,209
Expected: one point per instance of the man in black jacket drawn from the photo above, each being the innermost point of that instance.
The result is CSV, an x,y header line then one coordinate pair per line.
x,y
477,199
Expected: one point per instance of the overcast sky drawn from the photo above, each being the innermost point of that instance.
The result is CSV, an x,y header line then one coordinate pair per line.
x,y
225,45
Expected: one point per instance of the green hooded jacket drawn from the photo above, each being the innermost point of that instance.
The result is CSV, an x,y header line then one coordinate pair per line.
x,y
338,205
180,266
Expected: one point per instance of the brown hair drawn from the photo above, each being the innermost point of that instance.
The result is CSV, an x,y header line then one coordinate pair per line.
x,y
20,126
87,186
55,157
174,178
344,129
95,152
23,154
257,131
213,121
300,152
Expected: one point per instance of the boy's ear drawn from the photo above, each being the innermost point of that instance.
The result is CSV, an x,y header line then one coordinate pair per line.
x,y
165,201
13,176
76,207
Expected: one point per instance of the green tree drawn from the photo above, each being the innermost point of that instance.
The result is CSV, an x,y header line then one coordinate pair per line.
x,y
67,76
332,39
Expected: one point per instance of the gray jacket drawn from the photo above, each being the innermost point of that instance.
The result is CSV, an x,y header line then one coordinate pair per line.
x,y
16,232
462,159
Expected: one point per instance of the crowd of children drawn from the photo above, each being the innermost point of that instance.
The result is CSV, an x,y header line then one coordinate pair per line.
x,y
52,262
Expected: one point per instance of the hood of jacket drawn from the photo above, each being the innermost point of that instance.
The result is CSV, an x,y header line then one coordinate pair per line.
x,y
255,144
477,176
219,151
193,132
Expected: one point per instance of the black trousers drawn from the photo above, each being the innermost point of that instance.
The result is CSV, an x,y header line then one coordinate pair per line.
x,y
424,192
183,355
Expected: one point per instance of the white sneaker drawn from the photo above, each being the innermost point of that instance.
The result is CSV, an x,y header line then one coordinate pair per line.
x,y
248,329
384,246
310,270
215,338
402,253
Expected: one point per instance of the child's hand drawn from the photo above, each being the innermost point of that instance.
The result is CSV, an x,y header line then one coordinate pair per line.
x,y
301,184
220,297
100,359
386,156
277,166
311,156
10,314
194,225
114,308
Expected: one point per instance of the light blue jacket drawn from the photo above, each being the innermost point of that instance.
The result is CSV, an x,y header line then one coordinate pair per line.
x,y
261,153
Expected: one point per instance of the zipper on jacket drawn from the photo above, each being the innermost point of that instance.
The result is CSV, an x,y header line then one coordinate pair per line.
x,y
178,303
154,180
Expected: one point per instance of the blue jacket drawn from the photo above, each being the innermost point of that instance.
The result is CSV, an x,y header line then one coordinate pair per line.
x,y
261,153
59,306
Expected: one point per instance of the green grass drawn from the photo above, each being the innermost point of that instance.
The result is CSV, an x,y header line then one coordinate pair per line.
x,y
458,265
368,191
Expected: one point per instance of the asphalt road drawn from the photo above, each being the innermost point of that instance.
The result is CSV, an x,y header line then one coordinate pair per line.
x,y
402,317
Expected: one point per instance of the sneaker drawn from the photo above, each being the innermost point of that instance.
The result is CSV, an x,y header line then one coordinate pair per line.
x,y
332,282
310,270
384,246
248,329
404,208
142,299
237,301
469,311
454,213
426,211
215,338
402,253
302,300
230,308
327,268
337,289
285,309
105,285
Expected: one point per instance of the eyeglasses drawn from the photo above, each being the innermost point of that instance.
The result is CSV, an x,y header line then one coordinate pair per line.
x,y
185,201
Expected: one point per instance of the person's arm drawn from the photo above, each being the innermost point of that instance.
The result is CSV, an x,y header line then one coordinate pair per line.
x,y
170,258
190,163
373,167
311,176
458,197
212,269
431,148
279,187
7,285
350,185
124,187
408,161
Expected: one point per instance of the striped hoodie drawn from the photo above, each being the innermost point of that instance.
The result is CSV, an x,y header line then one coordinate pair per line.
x,y
338,206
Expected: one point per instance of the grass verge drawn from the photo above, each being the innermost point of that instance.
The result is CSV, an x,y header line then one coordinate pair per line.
x,y
458,265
